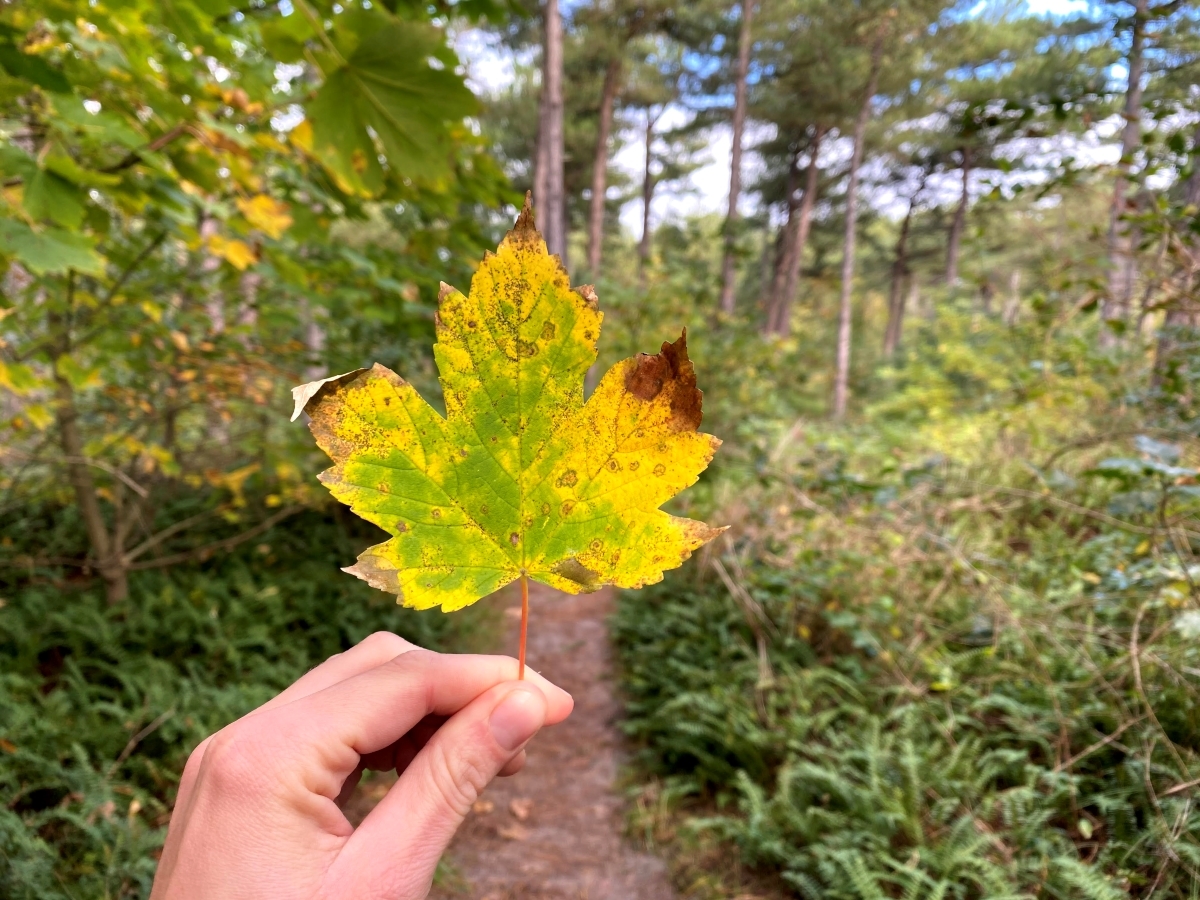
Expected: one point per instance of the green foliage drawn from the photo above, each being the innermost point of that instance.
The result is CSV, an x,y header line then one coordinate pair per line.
x,y
183,240
927,664
100,706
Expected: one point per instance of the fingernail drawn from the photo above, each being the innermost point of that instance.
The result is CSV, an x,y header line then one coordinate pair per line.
x,y
517,718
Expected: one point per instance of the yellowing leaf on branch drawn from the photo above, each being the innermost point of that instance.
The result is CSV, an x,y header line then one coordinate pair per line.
x,y
268,215
17,377
237,253
522,477
39,416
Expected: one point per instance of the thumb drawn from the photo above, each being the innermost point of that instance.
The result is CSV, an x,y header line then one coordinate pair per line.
x,y
396,849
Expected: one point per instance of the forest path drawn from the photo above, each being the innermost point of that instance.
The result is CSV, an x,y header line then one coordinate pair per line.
x,y
555,830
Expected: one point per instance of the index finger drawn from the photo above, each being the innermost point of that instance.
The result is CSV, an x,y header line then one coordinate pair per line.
x,y
372,710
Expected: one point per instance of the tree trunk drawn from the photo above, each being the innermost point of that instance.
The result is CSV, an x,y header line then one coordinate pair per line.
x,y
768,263
916,302
1181,314
1120,242
728,273
794,255
841,382
608,97
895,322
772,282
1012,309
107,555
548,176
959,222
647,198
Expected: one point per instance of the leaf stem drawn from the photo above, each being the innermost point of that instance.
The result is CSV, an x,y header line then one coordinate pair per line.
x,y
524,624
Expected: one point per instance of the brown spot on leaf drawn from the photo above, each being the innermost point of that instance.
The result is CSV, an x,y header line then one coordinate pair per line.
x,y
526,349
514,539
588,293
573,570
545,509
614,466
668,370
567,479
660,470
597,544
548,331
401,527
633,465
436,513
567,507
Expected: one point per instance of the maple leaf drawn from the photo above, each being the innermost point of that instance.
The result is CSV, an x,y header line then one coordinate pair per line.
x,y
521,477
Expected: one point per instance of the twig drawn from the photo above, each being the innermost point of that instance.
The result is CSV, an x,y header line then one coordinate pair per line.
x,y
137,739
133,266
756,618
87,461
1081,510
156,539
135,156
1135,661
1108,739
1181,787
216,546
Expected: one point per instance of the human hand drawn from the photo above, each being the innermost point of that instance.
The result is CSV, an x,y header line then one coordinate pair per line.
x,y
258,813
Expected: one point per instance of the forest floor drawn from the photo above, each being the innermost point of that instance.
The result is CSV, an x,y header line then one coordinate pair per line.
x,y
555,830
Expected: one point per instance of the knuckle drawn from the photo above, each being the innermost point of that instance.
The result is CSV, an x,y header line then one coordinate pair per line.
x,y
385,643
410,663
196,757
233,761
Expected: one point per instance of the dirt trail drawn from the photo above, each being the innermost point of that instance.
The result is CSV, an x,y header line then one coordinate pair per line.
x,y
554,831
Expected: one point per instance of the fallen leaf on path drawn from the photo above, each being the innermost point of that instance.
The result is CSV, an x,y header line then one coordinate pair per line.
x,y
521,807
513,832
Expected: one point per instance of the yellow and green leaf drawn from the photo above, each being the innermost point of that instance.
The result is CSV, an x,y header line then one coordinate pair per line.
x,y
267,214
522,476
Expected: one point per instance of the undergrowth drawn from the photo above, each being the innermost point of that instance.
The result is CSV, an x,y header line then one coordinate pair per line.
x,y
100,705
904,676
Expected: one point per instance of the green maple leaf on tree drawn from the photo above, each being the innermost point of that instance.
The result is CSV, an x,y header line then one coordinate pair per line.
x,y
522,478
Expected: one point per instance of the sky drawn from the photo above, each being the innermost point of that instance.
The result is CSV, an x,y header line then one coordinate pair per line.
x,y
706,190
